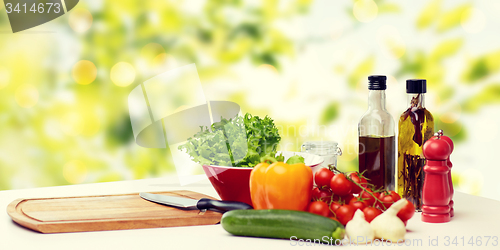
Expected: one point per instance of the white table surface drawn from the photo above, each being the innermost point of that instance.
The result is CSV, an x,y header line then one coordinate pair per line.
x,y
474,216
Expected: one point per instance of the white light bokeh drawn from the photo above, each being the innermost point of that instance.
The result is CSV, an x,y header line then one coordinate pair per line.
x,y
122,74
80,20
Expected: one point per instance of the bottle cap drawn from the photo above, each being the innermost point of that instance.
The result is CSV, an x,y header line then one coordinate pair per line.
x,y
415,86
377,82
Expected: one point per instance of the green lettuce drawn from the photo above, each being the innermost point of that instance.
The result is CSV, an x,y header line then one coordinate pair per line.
x,y
238,142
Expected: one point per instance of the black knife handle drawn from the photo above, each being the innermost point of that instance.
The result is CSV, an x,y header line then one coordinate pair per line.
x,y
222,206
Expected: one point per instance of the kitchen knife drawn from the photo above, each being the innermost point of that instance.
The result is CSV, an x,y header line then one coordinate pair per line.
x,y
203,203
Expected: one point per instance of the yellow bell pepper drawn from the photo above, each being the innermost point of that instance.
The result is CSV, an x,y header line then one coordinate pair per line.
x,y
281,186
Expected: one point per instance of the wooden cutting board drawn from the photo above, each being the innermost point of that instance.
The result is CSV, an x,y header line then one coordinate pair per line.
x,y
108,212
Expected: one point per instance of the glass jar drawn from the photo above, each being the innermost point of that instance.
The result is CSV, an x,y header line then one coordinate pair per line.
x,y
328,150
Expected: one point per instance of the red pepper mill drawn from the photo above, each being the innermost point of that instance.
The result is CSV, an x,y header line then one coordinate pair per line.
x,y
450,165
436,194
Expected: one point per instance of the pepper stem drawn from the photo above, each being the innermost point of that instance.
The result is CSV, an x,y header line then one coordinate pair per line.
x,y
268,159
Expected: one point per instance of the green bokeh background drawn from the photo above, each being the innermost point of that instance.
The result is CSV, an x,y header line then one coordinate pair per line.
x,y
302,62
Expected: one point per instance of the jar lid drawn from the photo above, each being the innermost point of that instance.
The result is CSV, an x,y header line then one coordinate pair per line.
x,y
415,86
377,82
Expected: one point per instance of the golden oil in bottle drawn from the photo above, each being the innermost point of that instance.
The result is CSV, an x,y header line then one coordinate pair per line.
x,y
416,126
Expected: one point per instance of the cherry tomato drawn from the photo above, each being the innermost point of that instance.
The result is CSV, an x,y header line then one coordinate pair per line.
x,y
346,198
395,196
357,203
340,185
322,194
343,199
319,207
371,213
386,201
315,193
344,213
333,218
323,177
356,177
387,198
335,205
406,212
367,196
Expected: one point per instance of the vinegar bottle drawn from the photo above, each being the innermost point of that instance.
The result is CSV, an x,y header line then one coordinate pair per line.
x,y
377,153
416,126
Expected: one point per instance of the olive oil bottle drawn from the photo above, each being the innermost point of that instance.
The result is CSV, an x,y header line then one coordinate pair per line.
x,y
416,126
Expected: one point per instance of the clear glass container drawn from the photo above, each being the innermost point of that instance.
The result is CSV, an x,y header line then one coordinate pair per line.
x,y
416,126
328,150
377,149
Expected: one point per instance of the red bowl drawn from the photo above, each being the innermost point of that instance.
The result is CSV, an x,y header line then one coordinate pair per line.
x,y
231,183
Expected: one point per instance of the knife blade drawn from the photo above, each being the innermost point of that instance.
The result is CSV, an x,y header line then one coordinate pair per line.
x,y
203,203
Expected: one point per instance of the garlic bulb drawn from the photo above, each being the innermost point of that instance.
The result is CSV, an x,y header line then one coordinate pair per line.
x,y
358,229
388,226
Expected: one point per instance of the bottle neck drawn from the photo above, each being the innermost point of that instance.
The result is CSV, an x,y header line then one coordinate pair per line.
x,y
376,99
415,101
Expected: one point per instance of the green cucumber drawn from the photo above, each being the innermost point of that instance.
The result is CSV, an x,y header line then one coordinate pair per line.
x,y
281,224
